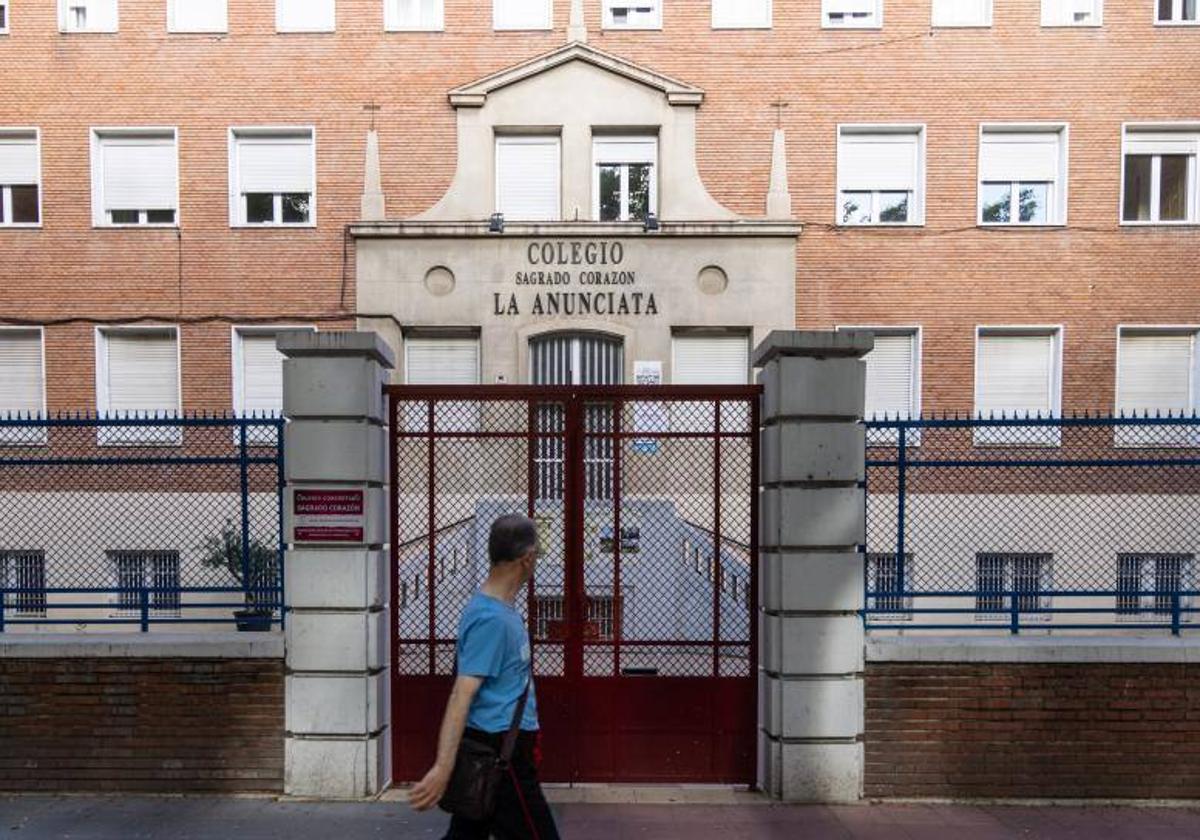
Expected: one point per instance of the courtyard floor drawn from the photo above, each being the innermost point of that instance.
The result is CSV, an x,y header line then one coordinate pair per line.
x,y
201,818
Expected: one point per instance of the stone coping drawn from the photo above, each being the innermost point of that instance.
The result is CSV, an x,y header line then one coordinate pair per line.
x,y
1042,649
576,230
210,645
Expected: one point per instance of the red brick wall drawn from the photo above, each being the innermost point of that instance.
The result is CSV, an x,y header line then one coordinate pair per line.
x,y
1033,731
141,725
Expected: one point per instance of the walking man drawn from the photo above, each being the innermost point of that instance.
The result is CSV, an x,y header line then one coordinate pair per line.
x,y
494,667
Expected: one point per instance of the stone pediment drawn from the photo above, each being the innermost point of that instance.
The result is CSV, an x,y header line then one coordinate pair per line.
x,y
475,94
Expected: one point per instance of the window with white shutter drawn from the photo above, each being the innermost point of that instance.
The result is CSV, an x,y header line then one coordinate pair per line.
x,y
3,17
950,13
197,16
135,177
1156,377
305,15
1017,376
257,378
137,377
272,177
880,174
741,14
701,359
413,15
22,384
527,179
442,360
1177,12
893,383
1022,176
1160,183
20,177
852,14
625,178
522,14
1072,12
87,15
631,14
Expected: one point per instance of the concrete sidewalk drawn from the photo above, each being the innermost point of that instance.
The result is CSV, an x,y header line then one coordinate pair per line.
x,y
218,818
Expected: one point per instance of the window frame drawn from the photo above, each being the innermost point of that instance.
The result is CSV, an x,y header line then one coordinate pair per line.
x,y
497,27
1059,192
1097,20
1173,21
1143,441
4,21
34,436
6,191
652,204
986,25
237,207
281,30
24,605
1146,606
99,214
655,24
174,29
237,332
1183,128
875,21
1008,584
901,610
1036,436
916,216
528,138
390,23
146,561
65,28
769,24
917,332
114,435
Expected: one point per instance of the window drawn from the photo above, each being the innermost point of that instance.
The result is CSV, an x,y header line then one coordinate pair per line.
x,y
893,383
741,14
137,376
522,14
135,177
1151,583
962,13
881,175
22,384
87,15
625,181
1026,576
257,379
1156,377
549,618
888,578
1017,376
413,15
272,175
1072,12
1177,11
20,177
1022,176
1160,176
699,358
305,15
197,16
156,573
25,572
852,14
527,178
442,360
3,17
632,14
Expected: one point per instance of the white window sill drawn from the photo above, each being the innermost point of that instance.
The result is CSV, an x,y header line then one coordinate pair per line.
x,y
1099,25
1188,223
274,226
323,31
441,28
522,28
172,226
745,27
88,31
851,27
1169,23
656,27
197,31
871,225
987,25
20,225
1022,225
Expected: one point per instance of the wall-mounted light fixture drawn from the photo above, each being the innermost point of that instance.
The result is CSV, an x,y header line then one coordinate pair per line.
x,y
496,223
651,223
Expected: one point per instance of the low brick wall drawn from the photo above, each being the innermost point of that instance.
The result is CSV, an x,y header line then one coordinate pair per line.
x,y
170,725
1033,730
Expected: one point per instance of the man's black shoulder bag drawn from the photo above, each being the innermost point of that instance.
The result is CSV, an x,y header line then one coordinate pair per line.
x,y
478,769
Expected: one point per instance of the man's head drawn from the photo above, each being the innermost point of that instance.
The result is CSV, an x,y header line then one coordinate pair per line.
x,y
513,539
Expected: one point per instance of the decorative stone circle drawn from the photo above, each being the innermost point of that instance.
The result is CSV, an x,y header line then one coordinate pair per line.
x,y
712,280
439,281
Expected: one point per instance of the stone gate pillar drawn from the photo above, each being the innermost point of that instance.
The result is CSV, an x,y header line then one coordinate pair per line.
x,y
335,571
812,521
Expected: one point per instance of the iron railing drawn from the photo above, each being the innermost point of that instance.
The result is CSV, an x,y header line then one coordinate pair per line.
x,y
1083,523
141,520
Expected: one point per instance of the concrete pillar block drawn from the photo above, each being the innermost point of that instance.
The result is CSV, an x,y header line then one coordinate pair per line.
x,y
821,517
336,579
351,767
812,644
817,388
375,521
818,708
795,452
335,451
801,581
829,773
345,387
337,641
325,704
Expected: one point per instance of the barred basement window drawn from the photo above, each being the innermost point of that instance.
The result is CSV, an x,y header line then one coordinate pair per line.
x,y
548,617
885,573
24,572
1161,575
156,572
1026,575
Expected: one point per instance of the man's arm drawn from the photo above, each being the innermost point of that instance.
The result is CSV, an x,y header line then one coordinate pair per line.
x,y
426,793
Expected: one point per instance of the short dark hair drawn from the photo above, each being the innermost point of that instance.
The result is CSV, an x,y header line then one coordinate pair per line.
x,y
513,536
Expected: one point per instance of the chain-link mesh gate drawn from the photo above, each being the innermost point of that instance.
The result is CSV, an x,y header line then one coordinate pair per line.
x,y
641,607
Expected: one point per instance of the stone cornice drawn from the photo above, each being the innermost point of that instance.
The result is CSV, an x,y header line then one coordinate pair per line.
x,y
577,230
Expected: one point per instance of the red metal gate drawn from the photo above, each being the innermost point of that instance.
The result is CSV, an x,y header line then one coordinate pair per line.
x,y
642,606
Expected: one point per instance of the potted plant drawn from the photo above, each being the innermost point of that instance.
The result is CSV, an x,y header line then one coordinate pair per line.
x,y
258,575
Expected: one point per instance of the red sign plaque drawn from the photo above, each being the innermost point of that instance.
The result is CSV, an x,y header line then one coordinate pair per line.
x,y
328,516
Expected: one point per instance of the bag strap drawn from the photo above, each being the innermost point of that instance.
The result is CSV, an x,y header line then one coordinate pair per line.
x,y
509,744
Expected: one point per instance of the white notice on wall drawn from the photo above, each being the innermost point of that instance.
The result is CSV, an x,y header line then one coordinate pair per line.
x,y
649,417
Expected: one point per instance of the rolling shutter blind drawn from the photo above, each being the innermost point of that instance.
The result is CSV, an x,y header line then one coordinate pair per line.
x,y
305,15
1160,143
1032,156
521,14
1155,374
441,361
626,151
18,158
143,373
869,162
1015,375
734,14
20,372
139,173
1063,12
262,374
415,14
960,12
711,360
280,164
101,14
199,16
527,173
849,6
890,377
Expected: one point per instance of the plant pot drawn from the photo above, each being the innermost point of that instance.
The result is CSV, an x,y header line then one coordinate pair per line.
x,y
253,620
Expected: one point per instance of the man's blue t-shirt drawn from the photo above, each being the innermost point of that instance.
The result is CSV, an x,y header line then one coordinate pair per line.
x,y
493,645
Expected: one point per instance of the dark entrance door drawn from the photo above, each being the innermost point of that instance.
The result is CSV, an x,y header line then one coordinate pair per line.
x,y
641,609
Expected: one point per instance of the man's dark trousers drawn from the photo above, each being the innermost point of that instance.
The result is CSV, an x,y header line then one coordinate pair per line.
x,y
514,813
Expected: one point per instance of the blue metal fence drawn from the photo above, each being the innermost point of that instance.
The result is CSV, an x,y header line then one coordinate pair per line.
x,y
1083,523
141,520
